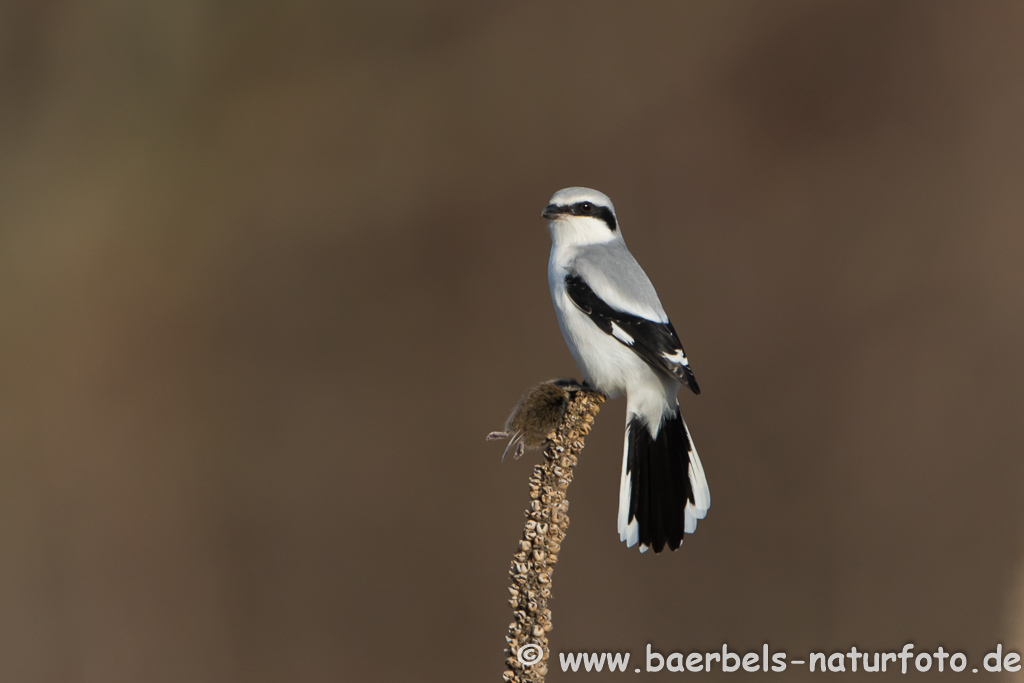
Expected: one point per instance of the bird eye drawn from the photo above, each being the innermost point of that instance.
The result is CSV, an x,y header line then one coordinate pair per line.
x,y
586,207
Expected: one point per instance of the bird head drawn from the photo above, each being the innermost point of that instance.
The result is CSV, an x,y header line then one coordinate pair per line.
x,y
581,216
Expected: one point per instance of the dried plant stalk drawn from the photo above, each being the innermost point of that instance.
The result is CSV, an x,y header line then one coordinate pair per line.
x,y
547,520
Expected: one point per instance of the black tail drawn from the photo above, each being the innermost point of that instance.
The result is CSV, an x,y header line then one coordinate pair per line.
x,y
663,489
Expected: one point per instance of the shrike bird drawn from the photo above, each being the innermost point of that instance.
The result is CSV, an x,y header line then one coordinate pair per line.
x,y
622,341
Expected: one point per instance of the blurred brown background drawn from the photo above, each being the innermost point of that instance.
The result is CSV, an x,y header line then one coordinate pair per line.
x,y
269,274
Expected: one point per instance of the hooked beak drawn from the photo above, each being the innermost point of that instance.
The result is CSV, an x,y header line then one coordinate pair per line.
x,y
551,211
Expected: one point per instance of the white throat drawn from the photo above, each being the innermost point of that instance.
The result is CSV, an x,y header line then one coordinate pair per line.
x,y
568,231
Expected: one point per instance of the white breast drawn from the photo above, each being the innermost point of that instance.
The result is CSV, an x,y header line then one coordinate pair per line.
x,y
606,363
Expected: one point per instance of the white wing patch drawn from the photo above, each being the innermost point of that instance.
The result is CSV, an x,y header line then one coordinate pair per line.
x,y
676,357
621,334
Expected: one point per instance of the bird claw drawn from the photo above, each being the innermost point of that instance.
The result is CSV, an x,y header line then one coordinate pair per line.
x,y
495,436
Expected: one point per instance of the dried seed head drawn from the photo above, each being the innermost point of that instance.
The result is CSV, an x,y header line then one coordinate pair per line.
x,y
544,529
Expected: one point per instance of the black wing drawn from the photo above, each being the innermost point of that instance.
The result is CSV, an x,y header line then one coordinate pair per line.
x,y
656,343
